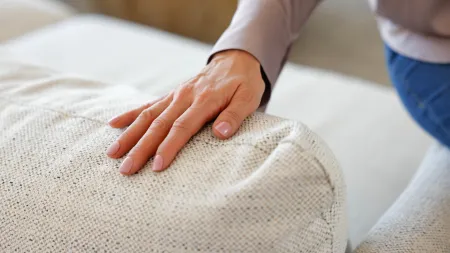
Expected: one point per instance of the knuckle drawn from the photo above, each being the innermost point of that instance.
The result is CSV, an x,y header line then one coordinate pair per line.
x,y
170,95
204,97
147,105
245,96
233,116
137,151
184,91
160,124
125,136
147,114
182,97
181,126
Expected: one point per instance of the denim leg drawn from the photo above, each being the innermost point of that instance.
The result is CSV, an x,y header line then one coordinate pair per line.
x,y
424,89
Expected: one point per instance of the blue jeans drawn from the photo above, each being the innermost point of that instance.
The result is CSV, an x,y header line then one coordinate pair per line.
x,y
424,89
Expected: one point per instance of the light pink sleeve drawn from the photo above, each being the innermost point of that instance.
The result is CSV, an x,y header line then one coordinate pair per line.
x,y
266,29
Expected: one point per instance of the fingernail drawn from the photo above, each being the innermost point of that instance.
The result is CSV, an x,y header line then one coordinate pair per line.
x,y
113,120
224,128
113,148
125,168
157,163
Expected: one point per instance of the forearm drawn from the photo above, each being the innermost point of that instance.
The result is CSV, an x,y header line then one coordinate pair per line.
x,y
266,29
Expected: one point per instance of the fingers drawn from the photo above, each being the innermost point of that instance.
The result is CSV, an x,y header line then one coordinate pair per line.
x,y
232,81
133,133
147,145
127,118
242,105
181,132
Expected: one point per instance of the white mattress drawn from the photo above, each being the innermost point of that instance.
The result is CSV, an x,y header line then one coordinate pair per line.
x,y
377,144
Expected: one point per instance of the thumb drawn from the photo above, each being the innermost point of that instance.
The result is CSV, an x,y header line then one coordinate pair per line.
x,y
230,119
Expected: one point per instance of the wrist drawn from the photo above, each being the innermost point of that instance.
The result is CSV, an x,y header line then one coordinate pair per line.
x,y
237,55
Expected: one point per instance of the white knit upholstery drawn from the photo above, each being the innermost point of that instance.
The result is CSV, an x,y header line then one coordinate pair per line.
x,y
274,187
419,221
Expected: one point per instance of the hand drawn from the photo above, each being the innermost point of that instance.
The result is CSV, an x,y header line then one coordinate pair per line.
x,y
230,88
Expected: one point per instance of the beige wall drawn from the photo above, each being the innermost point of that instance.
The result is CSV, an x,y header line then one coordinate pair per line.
x,y
204,20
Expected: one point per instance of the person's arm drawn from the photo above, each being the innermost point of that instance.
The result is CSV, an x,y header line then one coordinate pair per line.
x,y
266,29
227,90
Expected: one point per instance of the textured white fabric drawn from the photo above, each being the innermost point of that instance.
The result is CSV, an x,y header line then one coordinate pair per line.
x,y
419,221
21,16
377,144
274,187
